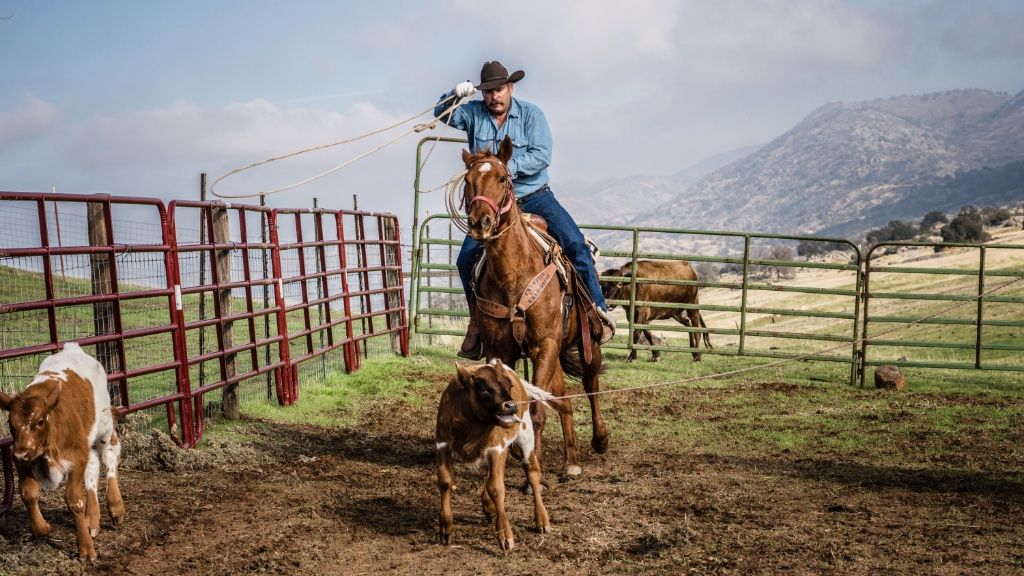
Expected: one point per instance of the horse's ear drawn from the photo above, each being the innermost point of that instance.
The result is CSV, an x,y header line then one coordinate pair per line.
x,y
5,401
505,151
465,157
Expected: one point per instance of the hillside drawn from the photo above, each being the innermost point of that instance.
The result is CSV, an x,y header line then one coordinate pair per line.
x,y
848,167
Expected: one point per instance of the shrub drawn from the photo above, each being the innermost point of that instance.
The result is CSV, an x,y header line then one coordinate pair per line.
x,y
968,226
995,216
707,271
894,230
932,218
810,248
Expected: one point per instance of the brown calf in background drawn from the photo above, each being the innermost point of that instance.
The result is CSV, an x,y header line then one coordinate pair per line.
x,y
667,293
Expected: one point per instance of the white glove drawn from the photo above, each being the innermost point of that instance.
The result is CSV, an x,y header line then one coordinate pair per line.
x,y
464,89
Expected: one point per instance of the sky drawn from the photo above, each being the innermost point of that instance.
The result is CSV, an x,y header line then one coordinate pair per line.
x,y
139,98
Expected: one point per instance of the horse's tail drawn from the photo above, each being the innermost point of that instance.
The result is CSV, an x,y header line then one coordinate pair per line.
x,y
572,365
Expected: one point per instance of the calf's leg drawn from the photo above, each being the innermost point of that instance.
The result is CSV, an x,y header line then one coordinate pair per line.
x,y
29,488
445,484
111,459
496,491
75,497
92,502
533,476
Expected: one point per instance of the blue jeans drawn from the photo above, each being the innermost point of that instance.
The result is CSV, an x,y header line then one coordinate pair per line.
x,y
561,226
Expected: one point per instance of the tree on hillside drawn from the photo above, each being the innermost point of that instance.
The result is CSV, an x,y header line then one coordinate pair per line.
x,y
929,220
894,230
811,248
993,216
968,226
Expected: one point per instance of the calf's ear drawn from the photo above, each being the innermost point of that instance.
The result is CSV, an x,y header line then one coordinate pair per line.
x,y
465,375
5,401
53,395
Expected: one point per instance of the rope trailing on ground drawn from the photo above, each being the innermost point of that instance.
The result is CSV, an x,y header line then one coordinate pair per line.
x,y
417,128
787,360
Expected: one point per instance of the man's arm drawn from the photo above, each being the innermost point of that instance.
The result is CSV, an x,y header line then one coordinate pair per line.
x,y
458,118
538,148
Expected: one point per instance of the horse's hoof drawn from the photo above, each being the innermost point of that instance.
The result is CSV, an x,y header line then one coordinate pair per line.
x,y
655,358
600,444
570,472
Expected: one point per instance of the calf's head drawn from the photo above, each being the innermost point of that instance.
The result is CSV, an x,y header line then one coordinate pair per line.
x,y
29,417
488,388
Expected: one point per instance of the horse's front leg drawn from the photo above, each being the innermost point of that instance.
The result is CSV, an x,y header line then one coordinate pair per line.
x,y
549,376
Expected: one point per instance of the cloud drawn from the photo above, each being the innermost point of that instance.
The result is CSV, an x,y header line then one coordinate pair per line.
x,y
29,120
981,31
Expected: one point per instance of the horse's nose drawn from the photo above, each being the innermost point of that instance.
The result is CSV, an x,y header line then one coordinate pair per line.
x,y
485,222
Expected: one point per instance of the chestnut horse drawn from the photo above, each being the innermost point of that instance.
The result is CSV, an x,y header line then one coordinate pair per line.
x,y
515,296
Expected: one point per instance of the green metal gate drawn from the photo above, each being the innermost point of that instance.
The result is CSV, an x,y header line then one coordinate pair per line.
x,y
755,305
984,332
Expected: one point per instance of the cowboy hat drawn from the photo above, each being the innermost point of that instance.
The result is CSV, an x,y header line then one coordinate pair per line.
x,y
494,75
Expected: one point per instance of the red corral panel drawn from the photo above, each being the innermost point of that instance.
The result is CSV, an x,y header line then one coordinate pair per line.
x,y
227,286
181,301
83,268
311,264
376,284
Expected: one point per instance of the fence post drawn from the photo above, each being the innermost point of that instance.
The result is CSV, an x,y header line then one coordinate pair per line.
x,y
102,312
222,235
392,281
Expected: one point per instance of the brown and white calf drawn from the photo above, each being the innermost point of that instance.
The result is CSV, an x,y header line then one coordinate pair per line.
x,y
62,426
485,412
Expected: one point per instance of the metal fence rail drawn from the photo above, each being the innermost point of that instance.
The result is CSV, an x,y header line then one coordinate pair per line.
x,y
751,304
214,292
221,267
981,334
747,305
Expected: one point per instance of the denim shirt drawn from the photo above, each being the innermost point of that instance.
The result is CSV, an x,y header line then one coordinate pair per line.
x,y
531,138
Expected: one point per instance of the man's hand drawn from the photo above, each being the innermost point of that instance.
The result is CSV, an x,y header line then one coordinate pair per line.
x,y
464,89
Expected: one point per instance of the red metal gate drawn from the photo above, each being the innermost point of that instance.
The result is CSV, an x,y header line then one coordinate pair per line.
x,y
218,266
308,282
112,295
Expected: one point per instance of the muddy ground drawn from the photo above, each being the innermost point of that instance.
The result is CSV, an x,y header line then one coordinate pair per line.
x,y
274,498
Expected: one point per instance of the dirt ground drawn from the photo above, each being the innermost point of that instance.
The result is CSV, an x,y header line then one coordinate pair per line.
x,y
272,498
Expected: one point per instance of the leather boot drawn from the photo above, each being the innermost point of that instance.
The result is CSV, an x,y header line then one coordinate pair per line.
x,y
607,325
472,348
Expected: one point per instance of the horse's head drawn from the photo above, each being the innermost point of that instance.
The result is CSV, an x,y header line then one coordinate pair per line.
x,y
489,194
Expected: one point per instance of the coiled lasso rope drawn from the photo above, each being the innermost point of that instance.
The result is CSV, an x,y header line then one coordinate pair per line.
x,y
417,128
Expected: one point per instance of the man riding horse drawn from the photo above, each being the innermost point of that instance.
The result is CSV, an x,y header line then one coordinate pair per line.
x,y
486,124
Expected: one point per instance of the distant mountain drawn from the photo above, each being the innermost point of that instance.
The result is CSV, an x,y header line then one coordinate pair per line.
x,y
589,202
846,168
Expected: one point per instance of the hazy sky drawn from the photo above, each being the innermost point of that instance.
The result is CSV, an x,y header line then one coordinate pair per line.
x,y
138,98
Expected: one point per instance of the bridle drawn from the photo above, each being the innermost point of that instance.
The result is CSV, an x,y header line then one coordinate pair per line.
x,y
507,200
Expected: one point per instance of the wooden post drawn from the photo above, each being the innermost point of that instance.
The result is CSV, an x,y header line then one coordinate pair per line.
x,y
102,312
222,235
393,300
